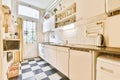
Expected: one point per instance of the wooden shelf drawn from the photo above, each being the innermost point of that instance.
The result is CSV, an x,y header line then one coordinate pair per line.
x,y
11,50
59,12
12,39
68,17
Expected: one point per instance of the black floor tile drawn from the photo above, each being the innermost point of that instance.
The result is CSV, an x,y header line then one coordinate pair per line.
x,y
50,72
35,64
26,70
37,71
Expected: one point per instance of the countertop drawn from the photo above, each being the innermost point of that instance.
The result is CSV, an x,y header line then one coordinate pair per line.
x,y
110,50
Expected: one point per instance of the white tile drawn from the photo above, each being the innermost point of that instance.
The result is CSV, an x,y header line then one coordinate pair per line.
x,y
42,62
27,75
55,77
46,68
40,76
35,67
25,66
32,62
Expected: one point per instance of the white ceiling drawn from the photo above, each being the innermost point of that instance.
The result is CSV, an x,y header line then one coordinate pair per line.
x,y
44,4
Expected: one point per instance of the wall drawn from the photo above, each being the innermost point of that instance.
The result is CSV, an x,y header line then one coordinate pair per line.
x,y
111,26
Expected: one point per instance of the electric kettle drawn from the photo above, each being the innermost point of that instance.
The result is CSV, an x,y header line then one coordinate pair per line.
x,y
100,40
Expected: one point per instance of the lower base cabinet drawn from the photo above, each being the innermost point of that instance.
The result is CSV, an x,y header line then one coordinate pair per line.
x,y
80,65
62,60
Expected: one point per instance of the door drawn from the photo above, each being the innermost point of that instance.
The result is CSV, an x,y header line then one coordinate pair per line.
x,y
80,65
62,60
29,35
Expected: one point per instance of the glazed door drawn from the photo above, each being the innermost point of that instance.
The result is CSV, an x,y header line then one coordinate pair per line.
x,y
29,35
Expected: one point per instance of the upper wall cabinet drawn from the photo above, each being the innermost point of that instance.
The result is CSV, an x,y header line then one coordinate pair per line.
x,y
89,8
49,24
112,7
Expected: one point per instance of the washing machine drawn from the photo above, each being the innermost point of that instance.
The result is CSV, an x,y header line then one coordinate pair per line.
x,y
108,68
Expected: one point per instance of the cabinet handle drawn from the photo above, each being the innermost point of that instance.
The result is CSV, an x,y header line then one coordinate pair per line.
x,y
107,70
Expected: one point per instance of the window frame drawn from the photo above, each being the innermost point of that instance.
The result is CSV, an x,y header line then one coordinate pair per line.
x,y
27,5
26,17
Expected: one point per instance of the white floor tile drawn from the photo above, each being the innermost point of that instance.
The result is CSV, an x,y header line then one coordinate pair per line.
x,y
25,66
41,76
42,62
35,67
32,62
46,68
55,77
27,75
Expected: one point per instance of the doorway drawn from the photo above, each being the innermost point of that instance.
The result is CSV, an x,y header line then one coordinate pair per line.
x,y
29,37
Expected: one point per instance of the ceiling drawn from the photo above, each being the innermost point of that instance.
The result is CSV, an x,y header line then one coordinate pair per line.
x,y
44,4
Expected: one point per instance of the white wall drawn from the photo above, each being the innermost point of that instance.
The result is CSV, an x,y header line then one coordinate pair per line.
x,y
111,30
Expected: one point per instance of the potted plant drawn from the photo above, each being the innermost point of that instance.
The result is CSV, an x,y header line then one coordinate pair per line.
x,y
55,9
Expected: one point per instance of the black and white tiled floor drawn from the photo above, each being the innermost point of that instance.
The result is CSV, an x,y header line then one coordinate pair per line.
x,y
38,69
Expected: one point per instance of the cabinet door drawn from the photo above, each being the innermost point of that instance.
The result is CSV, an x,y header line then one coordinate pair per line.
x,y
46,26
47,53
62,60
89,8
49,24
107,71
52,52
80,65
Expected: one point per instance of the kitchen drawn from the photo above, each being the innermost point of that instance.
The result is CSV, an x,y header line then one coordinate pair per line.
x,y
59,40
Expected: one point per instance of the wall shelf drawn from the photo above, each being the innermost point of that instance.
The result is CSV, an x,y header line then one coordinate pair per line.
x,y
66,16
12,39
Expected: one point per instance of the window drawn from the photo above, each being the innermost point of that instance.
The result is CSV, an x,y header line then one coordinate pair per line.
x,y
29,29
27,11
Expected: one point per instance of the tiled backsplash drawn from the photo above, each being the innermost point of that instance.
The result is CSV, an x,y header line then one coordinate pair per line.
x,y
78,34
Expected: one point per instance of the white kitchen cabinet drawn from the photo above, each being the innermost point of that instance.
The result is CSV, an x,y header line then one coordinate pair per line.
x,y
50,54
49,24
41,48
89,8
80,65
108,68
62,59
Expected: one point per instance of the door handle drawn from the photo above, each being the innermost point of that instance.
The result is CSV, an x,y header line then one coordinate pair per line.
x,y
107,70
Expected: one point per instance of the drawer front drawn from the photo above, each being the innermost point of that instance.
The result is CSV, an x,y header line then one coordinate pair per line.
x,y
108,71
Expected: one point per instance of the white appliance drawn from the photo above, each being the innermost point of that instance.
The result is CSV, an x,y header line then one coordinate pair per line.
x,y
41,50
108,68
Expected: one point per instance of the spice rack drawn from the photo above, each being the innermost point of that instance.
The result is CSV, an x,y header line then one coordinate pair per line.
x,y
66,16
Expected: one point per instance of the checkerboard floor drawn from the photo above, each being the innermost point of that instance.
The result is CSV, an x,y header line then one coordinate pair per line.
x,y
38,69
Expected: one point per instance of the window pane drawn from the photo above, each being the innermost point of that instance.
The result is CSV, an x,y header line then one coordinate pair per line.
x,y
27,11
29,31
